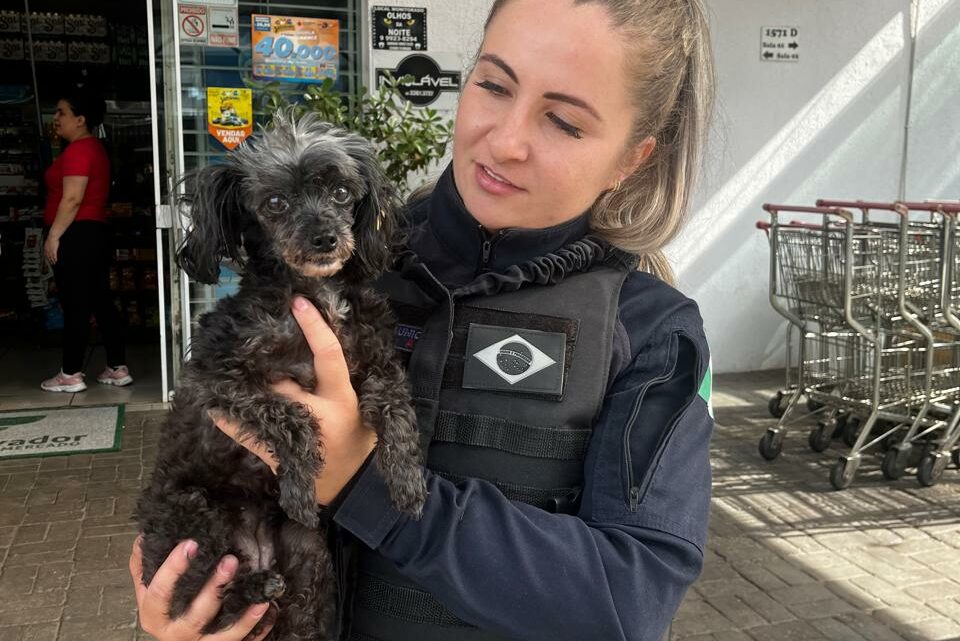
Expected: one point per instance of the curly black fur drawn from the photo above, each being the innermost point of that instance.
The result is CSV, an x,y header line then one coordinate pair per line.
x,y
306,209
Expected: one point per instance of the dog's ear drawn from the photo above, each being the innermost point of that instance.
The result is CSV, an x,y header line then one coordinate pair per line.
x,y
376,227
218,215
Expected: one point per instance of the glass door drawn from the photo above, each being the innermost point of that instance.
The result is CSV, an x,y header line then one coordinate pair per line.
x,y
210,48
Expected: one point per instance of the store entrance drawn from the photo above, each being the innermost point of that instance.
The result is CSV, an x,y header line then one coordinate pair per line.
x,y
46,49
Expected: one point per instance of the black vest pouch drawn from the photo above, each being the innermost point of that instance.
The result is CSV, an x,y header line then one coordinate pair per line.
x,y
508,375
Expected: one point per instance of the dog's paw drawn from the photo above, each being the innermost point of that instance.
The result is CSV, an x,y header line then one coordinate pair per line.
x,y
258,587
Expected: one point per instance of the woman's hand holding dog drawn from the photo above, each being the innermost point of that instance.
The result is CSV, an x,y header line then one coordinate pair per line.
x,y
153,601
347,442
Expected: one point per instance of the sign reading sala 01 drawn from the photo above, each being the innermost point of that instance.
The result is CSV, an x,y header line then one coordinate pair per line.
x,y
428,80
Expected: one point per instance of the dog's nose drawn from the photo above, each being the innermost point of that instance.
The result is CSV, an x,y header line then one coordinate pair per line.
x,y
325,242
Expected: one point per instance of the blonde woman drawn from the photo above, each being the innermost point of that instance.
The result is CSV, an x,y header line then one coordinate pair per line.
x,y
561,382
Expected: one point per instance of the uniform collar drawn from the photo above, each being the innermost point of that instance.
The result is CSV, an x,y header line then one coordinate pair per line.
x,y
464,239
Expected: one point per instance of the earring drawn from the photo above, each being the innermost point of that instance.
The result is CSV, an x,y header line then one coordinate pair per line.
x,y
616,187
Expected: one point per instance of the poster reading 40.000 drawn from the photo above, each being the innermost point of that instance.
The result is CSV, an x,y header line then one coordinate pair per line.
x,y
295,49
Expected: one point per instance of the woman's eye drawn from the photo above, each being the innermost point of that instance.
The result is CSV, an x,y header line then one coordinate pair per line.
x,y
277,204
564,126
341,195
495,89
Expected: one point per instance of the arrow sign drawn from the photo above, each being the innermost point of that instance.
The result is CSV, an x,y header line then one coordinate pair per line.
x,y
780,44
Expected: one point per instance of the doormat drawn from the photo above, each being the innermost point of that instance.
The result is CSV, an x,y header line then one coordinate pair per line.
x,y
60,431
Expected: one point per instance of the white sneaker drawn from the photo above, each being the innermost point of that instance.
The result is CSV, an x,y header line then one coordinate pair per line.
x,y
119,376
63,383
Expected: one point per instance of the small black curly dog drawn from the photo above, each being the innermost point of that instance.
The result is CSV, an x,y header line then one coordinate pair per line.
x,y
307,210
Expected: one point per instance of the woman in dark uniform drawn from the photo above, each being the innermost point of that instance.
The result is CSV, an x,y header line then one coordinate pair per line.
x,y
561,381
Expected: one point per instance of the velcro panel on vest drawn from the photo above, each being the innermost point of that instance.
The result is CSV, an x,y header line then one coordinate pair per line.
x,y
404,603
555,499
512,437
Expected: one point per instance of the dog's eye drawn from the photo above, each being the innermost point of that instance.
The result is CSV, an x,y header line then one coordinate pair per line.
x,y
341,195
277,204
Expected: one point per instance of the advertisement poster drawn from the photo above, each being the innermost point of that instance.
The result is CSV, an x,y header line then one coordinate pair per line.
x,y
229,115
295,49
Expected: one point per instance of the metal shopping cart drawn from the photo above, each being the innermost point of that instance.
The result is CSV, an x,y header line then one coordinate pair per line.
x,y
923,274
858,293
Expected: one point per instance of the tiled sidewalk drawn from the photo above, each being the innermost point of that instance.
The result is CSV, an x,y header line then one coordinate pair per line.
x,y
788,559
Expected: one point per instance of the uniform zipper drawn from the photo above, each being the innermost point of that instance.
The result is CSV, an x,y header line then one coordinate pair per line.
x,y
633,491
487,246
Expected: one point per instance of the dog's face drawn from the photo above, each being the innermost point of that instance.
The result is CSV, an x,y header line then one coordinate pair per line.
x,y
303,196
316,194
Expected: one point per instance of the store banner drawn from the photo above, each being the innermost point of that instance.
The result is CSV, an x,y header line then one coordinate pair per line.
x,y
295,49
229,115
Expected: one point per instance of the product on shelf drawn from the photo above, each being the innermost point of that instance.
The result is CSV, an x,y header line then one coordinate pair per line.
x,y
10,22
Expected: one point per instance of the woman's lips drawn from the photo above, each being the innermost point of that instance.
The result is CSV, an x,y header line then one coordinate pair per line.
x,y
493,183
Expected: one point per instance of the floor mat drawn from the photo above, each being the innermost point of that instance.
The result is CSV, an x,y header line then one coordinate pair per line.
x,y
59,431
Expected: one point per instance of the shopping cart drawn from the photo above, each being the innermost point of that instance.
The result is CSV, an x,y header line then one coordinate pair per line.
x,y
923,273
863,295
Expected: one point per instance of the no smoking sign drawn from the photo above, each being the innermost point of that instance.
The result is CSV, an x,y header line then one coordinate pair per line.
x,y
194,28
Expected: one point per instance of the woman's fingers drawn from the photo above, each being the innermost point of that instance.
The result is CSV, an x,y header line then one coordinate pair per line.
x,y
160,591
243,626
136,571
333,376
207,602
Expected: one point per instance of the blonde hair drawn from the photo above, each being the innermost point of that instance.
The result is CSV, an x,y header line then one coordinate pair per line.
x,y
672,89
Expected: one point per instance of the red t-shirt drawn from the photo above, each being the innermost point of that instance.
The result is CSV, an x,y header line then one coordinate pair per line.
x,y
84,157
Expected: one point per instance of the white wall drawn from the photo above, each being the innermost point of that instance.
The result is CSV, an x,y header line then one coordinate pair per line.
x,y
831,125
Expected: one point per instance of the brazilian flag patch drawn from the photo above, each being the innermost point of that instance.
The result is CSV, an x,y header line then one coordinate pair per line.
x,y
706,388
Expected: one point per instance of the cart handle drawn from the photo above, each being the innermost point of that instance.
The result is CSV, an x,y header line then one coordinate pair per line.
x,y
859,204
773,209
932,206
763,225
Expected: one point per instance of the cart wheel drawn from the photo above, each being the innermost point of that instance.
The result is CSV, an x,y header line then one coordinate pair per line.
x,y
820,436
931,468
771,444
775,405
956,458
894,463
843,471
813,405
851,430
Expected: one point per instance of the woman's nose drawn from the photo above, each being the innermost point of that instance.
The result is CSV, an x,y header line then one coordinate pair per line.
x,y
509,138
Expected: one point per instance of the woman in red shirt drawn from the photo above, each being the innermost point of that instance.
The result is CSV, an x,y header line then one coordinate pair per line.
x,y
78,243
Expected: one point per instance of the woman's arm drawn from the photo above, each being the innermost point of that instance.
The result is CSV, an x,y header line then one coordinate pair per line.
x,y
74,187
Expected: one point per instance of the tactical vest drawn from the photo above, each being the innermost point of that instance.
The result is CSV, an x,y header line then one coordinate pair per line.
x,y
507,375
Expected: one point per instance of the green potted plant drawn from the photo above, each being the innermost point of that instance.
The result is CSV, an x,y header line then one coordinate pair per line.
x,y
408,139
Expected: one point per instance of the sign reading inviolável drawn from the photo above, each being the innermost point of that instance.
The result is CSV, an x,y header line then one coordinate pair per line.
x,y
780,44
429,82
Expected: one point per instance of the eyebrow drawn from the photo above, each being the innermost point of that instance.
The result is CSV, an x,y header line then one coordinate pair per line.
x,y
550,95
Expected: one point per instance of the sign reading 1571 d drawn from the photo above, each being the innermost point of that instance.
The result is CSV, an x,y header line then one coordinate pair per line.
x,y
295,49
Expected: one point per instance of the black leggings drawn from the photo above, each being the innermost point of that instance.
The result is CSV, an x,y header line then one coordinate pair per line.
x,y
83,278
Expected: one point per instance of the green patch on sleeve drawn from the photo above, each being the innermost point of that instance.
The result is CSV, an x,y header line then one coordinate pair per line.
x,y
706,388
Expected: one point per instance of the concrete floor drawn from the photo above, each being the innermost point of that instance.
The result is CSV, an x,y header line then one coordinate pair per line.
x,y
23,366
788,558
